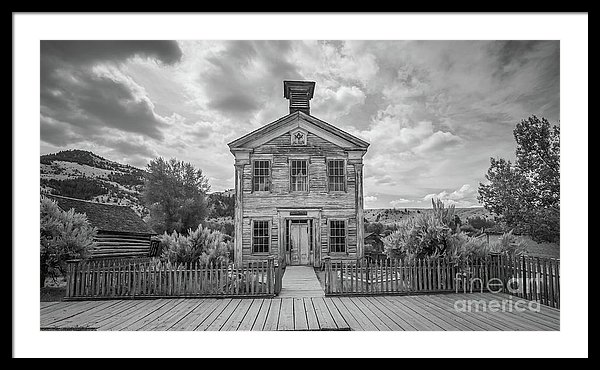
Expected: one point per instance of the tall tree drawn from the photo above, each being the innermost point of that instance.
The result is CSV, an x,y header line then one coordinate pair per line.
x,y
175,193
526,194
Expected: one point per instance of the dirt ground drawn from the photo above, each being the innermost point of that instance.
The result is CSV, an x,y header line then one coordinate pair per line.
x,y
54,291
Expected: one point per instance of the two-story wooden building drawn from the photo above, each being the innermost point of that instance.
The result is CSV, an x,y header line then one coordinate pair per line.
x,y
299,187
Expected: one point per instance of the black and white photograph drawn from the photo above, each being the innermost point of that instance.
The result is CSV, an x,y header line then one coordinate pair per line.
x,y
302,193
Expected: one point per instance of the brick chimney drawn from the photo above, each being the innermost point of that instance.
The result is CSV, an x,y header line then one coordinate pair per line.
x,y
299,94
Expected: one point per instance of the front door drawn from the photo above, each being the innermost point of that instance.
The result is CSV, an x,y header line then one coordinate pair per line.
x,y
299,244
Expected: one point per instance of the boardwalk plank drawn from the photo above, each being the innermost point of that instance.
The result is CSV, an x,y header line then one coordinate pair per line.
x,y
432,312
300,320
224,315
326,321
492,320
177,314
352,322
84,319
372,316
391,324
124,308
273,316
251,315
358,314
212,316
454,315
58,306
159,316
412,317
337,316
522,319
479,321
261,317
440,324
46,305
518,322
286,315
389,311
237,316
197,315
140,314
135,312
94,320
311,316
547,316
67,311
539,319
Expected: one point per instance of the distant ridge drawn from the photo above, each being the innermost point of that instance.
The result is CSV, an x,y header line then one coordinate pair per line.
x,y
84,175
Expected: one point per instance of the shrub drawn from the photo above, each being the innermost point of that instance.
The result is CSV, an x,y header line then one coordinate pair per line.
x,y
64,235
440,234
479,222
464,248
202,245
469,229
509,244
419,236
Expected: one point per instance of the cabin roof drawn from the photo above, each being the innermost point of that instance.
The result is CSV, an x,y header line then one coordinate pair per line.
x,y
373,235
106,217
298,119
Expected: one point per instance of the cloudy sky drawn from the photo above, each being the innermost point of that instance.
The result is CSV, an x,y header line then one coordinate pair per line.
x,y
433,111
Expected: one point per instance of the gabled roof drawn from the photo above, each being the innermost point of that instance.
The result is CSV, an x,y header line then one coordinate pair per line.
x,y
303,120
106,217
373,235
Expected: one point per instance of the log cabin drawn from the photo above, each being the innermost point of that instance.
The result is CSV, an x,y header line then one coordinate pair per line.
x,y
298,188
121,232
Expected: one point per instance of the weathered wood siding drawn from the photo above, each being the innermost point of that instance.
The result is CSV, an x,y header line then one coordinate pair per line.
x,y
114,244
263,205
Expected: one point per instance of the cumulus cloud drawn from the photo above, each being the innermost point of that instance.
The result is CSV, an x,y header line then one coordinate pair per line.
x,y
399,202
433,111
341,100
244,76
83,92
465,196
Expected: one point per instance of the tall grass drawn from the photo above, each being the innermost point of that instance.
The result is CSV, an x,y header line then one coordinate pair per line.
x,y
438,234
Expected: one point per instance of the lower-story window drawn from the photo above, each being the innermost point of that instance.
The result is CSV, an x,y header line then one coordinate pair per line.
x,y
337,236
260,236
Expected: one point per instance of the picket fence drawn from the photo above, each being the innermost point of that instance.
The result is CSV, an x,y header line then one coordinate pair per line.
x,y
151,278
527,277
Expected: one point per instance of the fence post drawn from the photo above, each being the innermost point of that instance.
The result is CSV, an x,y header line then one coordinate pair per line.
x,y
524,276
70,277
270,267
327,274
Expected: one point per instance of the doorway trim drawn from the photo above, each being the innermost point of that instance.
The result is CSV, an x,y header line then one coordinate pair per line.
x,y
314,214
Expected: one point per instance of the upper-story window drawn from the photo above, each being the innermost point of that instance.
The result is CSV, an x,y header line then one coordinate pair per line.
x,y
261,175
298,175
336,176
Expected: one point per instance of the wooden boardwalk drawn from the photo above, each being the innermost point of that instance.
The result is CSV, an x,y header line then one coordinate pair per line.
x,y
300,282
398,313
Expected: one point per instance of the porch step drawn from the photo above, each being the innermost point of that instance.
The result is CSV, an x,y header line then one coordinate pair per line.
x,y
300,281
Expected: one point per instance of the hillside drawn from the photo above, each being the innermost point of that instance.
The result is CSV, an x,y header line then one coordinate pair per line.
x,y
390,216
84,175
